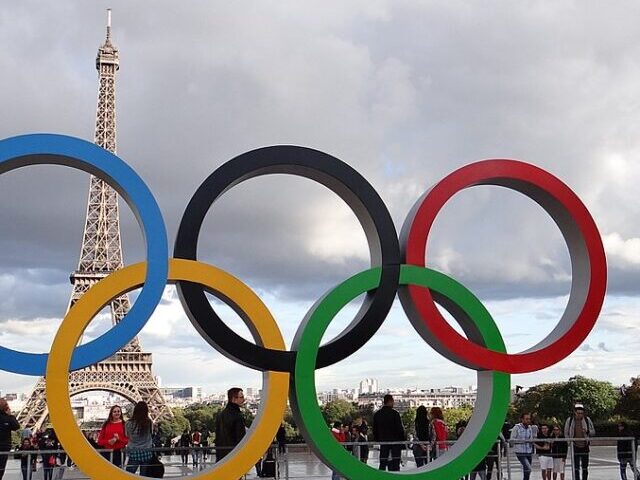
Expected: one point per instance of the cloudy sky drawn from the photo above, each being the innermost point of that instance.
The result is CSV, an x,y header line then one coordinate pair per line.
x,y
404,91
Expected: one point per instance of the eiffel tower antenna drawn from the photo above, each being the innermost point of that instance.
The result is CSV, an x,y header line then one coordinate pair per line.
x,y
128,372
108,25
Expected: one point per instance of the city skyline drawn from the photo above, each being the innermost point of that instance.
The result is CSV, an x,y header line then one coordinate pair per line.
x,y
381,86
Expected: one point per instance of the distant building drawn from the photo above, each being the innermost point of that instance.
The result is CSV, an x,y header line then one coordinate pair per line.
x,y
182,394
447,397
350,395
251,392
368,385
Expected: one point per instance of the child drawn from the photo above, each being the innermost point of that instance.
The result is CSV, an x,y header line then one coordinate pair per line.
x,y
27,458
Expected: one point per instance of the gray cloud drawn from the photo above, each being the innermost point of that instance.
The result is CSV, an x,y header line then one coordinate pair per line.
x,y
602,347
404,91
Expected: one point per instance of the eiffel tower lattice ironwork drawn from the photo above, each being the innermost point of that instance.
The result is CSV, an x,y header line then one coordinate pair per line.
x,y
128,372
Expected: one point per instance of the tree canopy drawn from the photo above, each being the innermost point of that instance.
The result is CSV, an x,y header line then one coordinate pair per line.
x,y
555,401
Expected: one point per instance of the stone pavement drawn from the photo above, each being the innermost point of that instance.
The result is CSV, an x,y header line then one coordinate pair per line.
x,y
304,465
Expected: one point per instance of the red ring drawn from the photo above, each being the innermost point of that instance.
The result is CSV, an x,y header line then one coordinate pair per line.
x,y
533,182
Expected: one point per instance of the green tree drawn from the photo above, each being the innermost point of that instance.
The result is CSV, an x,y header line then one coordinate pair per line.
x,y
629,404
292,433
542,401
454,415
173,427
338,411
365,412
408,418
202,414
555,401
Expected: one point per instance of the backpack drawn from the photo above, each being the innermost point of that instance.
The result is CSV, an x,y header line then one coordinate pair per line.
x,y
269,466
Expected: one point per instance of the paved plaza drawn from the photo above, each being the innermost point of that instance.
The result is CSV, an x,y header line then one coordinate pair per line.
x,y
302,464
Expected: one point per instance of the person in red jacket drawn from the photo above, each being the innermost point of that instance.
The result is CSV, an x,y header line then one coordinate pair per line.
x,y
440,430
339,432
112,436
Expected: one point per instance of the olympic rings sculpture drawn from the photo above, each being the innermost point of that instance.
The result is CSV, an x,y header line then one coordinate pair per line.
x,y
396,267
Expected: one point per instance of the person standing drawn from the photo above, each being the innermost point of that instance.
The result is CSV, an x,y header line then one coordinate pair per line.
x,y
8,424
112,436
281,438
440,431
28,458
183,444
387,427
521,437
48,444
204,442
230,427
559,449
138,430
363,438
579,428
339,433
543,448
421,448
493,457
625,452
196,451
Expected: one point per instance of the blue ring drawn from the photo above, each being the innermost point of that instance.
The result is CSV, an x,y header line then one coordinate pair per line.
x,y
39,149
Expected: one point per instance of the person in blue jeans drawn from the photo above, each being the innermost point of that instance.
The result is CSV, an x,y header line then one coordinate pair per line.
x,y
625,452
522,440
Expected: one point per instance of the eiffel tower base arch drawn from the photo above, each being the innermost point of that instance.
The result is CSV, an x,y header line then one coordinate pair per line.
x,y
127,374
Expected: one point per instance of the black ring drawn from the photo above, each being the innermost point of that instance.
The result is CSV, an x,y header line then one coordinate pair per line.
x,y
361,197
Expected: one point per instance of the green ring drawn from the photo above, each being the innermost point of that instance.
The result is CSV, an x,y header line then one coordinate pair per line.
x,y
493,387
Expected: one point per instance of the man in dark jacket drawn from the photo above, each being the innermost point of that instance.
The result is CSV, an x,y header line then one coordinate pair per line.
x,y
230,427
387,427
625,452
8,424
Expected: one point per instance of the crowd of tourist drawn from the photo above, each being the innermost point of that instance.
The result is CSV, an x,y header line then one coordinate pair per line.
x,y
119,438
553,444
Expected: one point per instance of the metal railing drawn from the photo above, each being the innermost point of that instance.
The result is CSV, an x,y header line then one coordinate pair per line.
x,y
297,461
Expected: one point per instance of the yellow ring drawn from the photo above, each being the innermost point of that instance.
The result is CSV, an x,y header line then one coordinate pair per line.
x,y
276,384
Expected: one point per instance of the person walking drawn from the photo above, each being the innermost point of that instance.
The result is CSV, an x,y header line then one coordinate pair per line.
x,y
112,436
559,449
230,427
543,449
521,437
440,431
387,427
579,428
625,452
8,424
138,430
422,438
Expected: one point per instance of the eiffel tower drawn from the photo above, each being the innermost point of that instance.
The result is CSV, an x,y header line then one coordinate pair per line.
x,y
128,372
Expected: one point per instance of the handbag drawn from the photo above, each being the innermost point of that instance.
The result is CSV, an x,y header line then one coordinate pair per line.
x,y
155,468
